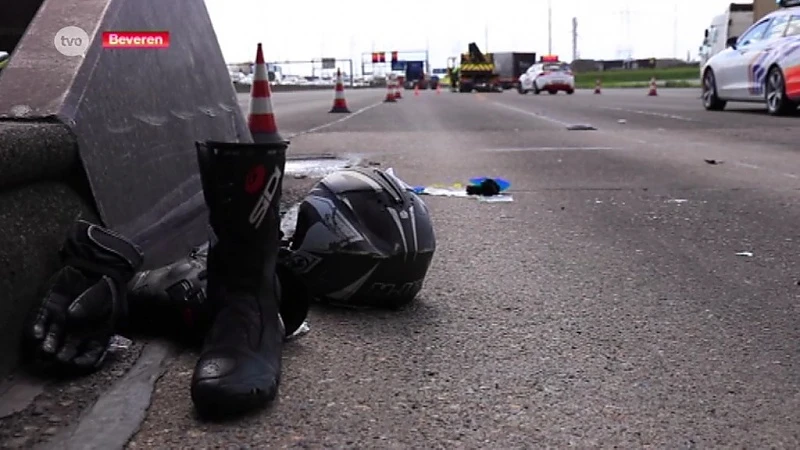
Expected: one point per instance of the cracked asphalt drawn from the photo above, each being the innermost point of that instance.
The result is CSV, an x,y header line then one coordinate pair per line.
x,y
640,291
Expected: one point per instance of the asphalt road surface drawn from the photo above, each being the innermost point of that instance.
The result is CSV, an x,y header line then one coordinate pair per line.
x,y
640,291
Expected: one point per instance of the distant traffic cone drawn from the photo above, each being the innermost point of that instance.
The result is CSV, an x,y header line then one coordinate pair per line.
x,y
438,88
597,85
390,91
398,88
416,89
261,120
339,103
653,89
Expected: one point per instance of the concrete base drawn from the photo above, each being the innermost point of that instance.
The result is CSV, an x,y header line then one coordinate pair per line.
x,y
34,219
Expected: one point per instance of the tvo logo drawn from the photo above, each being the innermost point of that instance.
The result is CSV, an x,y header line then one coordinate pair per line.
x,y
71,41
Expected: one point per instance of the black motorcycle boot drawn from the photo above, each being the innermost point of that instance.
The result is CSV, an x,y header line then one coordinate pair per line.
x,y
240,365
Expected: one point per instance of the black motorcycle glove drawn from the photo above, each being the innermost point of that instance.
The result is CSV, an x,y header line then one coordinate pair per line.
x,y
486,188
85,302
172,298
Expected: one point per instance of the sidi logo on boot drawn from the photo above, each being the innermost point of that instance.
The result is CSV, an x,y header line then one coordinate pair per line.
x,y
265,199
255,179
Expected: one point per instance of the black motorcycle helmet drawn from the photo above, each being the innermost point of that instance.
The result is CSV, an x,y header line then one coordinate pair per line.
x,y
362,239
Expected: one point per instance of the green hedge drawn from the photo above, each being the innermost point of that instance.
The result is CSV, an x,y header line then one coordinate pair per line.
x,y
626,76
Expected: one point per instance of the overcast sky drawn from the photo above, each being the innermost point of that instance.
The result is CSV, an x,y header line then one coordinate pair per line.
x,y
306,29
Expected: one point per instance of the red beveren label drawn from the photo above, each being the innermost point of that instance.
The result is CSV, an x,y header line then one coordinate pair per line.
x,y
135,39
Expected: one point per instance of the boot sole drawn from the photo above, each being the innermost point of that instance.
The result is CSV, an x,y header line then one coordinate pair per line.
x,y
215,401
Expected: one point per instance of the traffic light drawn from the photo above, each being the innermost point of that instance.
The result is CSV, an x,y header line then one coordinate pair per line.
x,y
378,57
394,57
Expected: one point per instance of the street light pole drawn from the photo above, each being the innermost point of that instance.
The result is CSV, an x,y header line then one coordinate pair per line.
x,y
549,27
428,55
486,38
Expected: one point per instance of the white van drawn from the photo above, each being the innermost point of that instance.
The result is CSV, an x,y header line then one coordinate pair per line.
x,y
736,20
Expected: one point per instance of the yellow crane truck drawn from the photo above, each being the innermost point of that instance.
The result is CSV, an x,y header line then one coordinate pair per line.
x,y
477,72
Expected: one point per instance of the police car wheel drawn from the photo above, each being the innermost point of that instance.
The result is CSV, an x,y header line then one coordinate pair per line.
x,y
775,94
711,100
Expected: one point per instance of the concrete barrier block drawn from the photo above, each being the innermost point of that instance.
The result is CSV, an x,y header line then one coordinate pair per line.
x,y
119,124
135,113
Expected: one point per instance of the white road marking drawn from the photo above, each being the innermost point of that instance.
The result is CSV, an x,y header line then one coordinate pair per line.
x,y
618,135
649,113
545,149
533,114
755,167
337,121
567,124
749,166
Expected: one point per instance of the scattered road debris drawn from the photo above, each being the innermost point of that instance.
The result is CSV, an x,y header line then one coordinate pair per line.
x,y
300,332
316,167
503,198
485,189
119,344
581,127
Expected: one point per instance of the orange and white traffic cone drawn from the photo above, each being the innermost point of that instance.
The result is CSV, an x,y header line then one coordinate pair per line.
x,y
261,119
597,85
438,88
398,88
339,103
416,89
653,88
390,91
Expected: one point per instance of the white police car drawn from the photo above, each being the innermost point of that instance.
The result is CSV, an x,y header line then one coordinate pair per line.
x,y
761,65
549,75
